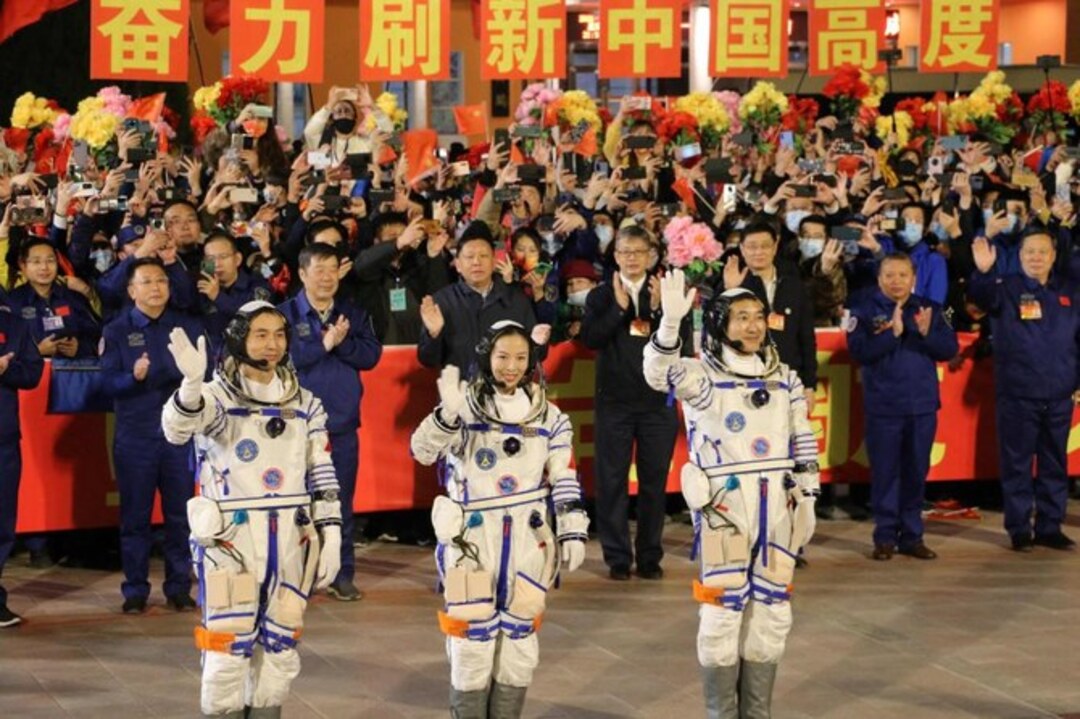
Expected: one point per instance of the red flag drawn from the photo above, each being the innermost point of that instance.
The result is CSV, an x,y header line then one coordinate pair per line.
x,y
148,108
14,16
215,15
419,148
588,145
471,119
686,193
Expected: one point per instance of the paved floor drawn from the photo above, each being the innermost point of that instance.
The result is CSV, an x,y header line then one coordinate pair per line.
x,y
982,632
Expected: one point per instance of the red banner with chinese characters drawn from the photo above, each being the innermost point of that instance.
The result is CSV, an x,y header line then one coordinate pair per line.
x,y
404,40
278,40
523,39
68,483
748,38
959,36
640,38
846,31
139,40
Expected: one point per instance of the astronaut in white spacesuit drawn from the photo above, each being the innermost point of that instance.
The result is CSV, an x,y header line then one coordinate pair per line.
x,y
267,502
751,483
511,512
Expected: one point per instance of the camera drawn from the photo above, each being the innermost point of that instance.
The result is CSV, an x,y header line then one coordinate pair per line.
x,y
639,142
243,195
528,131
84,189
28,215
112,204
506,194
240,141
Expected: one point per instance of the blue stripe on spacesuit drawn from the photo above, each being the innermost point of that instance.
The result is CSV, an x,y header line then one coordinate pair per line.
x,y
504,560
763,520
507,429
752,384
266,412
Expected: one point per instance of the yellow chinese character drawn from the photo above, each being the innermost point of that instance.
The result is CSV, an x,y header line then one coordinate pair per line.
x,y
517,30
639,16
406,33
957,27
276,15
142,46
848,37
749,35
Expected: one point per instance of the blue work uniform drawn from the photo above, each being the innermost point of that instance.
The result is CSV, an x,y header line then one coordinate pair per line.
x,y
23,372
112,288
144,461
220,311
1035,331
64,313
334,378
900,404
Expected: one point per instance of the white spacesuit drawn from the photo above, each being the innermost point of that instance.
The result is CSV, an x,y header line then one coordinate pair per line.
x,y
267,501
508,465
751,484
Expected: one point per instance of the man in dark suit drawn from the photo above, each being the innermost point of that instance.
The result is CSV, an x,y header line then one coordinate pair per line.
x,y
620,316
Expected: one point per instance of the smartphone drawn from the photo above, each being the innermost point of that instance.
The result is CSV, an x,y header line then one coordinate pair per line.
x,y
892,224
730,197
333,204
208,267
358,164
84,189
844,233
80,155
977,182
811,165
805,190
506,194
634,173
844,131
380,197
243,195
639,142
743,139
639,102
502,139
50,180
669,209
139,155
953,142
688,152
1025,178
532,173
787,140
851,147
318,159
240,141
718,169
948,206
528,131
895,194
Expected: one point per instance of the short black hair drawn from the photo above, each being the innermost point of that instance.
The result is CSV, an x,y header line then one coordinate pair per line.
x,y
476,230
180,201
759,227
813,220
30,243
221,236
1038,230
919,206
897,257
316,251
385,219
144,262
321,226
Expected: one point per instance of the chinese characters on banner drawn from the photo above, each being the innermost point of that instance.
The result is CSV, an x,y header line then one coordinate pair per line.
x,y
404,39
846,31
139,40
748,38
279,40
523,39
959,35
640,38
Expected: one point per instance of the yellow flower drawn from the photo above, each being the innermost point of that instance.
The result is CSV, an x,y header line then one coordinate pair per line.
x,y
30,111
1074,98
93,124
762,98
706,108
904,122
206,97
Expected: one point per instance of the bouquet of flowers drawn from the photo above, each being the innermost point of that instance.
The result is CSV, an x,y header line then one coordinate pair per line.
x,y
32,112
224,100
730,100
846,90
679,128
800,117
712,117
534,99
387,102
571,110
901,122
1074,99
1049,108
692,247
992,109
762,109
937,114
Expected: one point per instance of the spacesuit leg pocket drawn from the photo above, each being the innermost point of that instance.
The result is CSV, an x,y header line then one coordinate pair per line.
x,y
529,598
781,567
724,553
469,595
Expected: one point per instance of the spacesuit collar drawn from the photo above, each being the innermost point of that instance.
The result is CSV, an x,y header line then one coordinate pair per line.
x,y
491,410
285,380
267,393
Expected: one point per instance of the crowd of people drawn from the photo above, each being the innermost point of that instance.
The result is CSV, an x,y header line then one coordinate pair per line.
x,y
564,233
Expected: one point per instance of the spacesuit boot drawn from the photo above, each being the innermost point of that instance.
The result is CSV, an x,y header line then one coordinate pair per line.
x,y
468,705
721,691
263,713
755,689
506,702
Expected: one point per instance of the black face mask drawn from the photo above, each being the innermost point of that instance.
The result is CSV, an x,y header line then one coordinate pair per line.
x,y
344,125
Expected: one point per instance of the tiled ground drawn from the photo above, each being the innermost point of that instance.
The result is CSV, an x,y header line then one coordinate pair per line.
x,y
981,633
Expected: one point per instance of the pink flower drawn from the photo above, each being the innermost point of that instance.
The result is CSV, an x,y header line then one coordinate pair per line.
x,y
61,126
688,241
730,100
548,95
116,102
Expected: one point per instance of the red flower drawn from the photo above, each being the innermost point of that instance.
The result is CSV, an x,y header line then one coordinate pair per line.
x,y
914,107
171,118
202,124
242,89
847,81
677,122
1054,96
801,114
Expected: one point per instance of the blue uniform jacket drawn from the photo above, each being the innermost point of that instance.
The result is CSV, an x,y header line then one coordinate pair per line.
x,y
65,313
931,273
23,372
332,376
220,311
138,404
112,287
899,374
1033,358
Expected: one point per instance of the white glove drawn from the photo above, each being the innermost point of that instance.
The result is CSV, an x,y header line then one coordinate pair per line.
x,y
573,554
329,556
191,361
204,520
451,393
676,303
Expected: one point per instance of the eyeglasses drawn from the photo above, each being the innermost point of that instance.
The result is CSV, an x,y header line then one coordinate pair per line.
x,y
631,253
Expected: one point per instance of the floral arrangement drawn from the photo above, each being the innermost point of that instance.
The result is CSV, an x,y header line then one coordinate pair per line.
x,y
730,100
1049,108
937,114
387,102
762,108
712,117
846,90
692,247
679,128
901,122
1074,99
534,98
800,117
992,109
571,109
32,112
224,100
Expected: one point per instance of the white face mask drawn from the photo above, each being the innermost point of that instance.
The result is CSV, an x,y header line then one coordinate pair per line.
x,y
577,299
911,234
604,233
811,247
794,218
551,243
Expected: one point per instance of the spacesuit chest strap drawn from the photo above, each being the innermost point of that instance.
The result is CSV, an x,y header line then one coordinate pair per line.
x,y
283,501
508,500
758,465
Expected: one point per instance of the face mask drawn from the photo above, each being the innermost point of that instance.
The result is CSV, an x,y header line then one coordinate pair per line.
x,y
344,125
577,299
794,217
1014,222
604,233
938,231
551,244
255,128
810,247
892,213
911,234
102,259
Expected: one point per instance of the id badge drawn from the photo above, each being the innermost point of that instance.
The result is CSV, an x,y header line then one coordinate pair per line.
x,y
1030,309
639,328
53,323
776,321
397,299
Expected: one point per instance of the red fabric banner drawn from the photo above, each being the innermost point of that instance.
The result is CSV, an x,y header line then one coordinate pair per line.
x,y
404,40
139,40
846,31
523,39
959,37
68,482
640,38
17,14
748,38
278,40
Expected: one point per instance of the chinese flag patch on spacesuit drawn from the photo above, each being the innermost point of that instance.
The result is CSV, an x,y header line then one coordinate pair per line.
x,y
1065,301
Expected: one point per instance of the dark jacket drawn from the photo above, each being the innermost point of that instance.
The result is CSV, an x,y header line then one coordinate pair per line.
x,y
23,372
65,313
899,374
606,328
417,275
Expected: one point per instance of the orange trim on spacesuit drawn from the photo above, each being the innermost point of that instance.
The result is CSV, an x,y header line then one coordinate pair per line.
x,y
209,641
